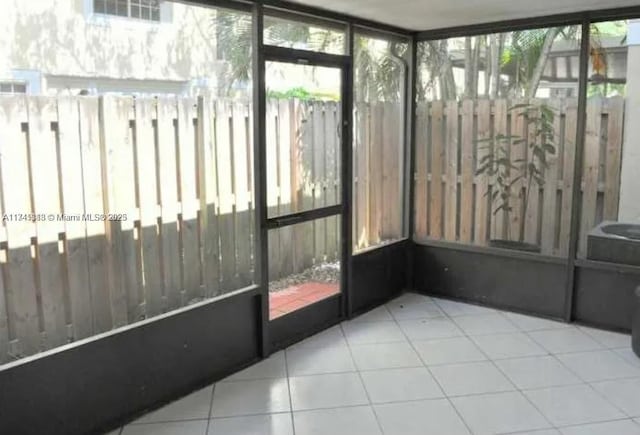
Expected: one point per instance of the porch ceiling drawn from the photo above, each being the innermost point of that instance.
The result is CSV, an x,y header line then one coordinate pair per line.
x,y
436,14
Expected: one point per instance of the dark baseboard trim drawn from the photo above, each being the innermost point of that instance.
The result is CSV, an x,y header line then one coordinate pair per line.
x,y
524,283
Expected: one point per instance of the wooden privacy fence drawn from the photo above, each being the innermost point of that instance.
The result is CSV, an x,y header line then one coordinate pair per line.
x,y
451,199
303,173
117,209
378,169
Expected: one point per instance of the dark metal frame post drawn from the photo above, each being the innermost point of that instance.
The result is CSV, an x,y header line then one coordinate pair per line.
x,y
347,175
574,233
260,176
410,150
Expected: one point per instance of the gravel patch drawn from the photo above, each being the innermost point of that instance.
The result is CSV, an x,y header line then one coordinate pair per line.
x,y
327,273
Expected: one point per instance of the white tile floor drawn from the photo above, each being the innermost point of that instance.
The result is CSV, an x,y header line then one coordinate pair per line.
x,y
424,366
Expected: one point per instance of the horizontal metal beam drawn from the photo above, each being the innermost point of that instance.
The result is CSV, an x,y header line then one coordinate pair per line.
x,y
273,53
627,13
312,20
303,216
611,267
237,5
490,251
380,34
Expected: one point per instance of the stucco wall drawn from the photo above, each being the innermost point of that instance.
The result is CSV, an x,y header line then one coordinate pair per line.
x,y
64,38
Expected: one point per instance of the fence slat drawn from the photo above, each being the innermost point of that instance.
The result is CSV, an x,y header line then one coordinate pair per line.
x,y
499,219
466,163
533,190
376,164
189,228
387,157
550,192
517,153
482,208
21,286
398,170
296,150
285,191
332,174
319,178
591,172
613,158
73,204
242,189
95,201
363,199
168,184
357,178
571,119
531,230
207,192
451,172
420,176
272,185
305,235
118,169
437,162
43,158
387,182
369,217
224,157
145,112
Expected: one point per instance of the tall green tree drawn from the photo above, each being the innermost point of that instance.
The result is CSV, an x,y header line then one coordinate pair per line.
x,y
379,69
233,31
379,65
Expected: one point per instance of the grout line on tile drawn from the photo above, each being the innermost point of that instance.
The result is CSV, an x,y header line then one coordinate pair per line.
x,y
594,422
364,386
361,405
236,381
463,334
446,397
286,371
213,390
251,415
501,313
148,423
599,394
555,356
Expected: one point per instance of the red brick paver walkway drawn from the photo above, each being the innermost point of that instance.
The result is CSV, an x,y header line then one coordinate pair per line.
x,y
295,297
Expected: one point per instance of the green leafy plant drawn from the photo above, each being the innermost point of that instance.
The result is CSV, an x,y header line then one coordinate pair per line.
x,y
303,94
510,174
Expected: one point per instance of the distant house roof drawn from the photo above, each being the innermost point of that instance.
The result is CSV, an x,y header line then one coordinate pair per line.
x,y
563,64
